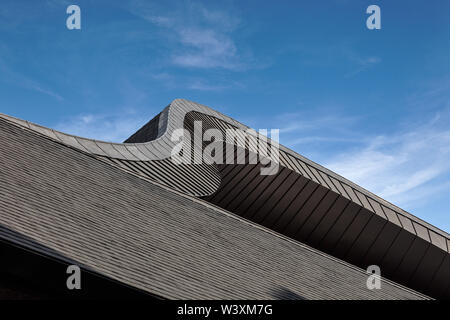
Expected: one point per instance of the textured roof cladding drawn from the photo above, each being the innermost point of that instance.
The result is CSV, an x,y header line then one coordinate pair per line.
x,y
303,200
172,118
148,132
299,201
155,239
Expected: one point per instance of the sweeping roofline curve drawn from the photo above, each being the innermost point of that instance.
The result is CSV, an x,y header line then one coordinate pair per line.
x,y
172,118
156,149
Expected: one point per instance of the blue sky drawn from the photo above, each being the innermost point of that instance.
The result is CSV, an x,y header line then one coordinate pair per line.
x,y
372,105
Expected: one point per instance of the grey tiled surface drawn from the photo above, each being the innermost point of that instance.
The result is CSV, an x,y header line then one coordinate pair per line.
x,y
172,118
145,235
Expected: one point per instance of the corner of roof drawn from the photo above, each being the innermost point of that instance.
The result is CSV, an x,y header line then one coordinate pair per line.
x,y
178,100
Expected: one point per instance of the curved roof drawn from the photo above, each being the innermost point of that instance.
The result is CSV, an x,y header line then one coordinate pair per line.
x,y
60,206
303,201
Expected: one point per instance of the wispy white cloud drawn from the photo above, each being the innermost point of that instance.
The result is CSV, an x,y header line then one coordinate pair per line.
x,y
204,86
8,75
301,128
35,86
434,95
362,63
408,166
320,139
194,83
201,37
300,121
342,55
206,49
396,166
112,127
